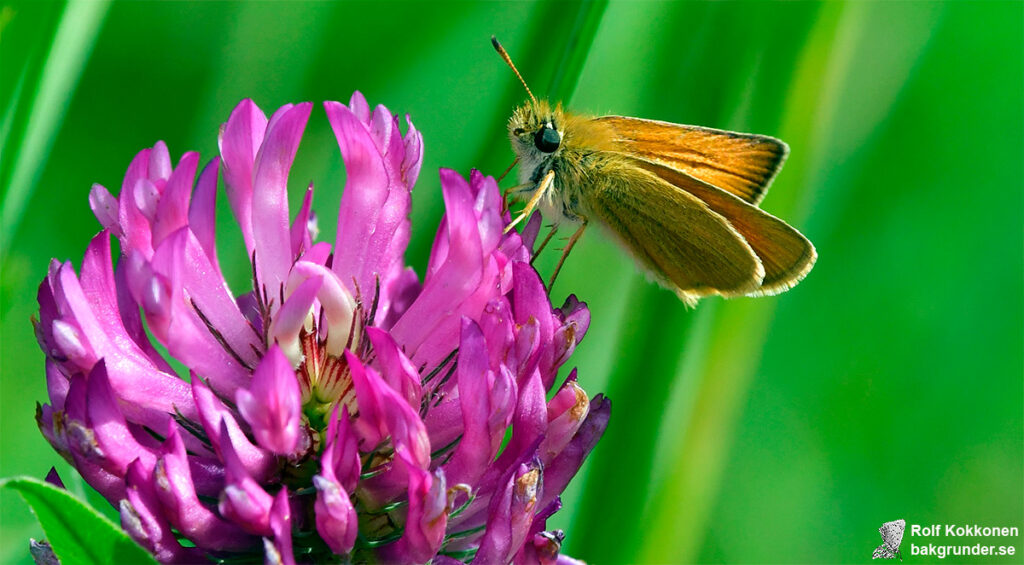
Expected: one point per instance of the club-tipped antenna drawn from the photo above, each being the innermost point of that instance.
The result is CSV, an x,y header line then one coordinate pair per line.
x,y
508,60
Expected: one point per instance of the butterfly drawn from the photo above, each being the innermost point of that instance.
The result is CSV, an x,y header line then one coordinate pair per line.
x,y
683,200
892,536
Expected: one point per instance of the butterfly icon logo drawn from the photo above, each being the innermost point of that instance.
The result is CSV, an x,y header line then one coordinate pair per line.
x,y
892,536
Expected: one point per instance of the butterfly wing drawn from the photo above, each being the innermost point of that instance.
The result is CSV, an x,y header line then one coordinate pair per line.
x,y
892,533
739,163
883,552
692,250
787,256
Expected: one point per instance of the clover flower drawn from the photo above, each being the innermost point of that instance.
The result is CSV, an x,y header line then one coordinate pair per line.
x,y
341,407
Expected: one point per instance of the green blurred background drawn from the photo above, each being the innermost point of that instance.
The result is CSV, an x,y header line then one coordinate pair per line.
x,y
886,385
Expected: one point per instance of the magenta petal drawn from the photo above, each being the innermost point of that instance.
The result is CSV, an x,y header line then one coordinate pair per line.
x,y
134,225
57,384
208,295
487,206
131,318
239,141
270,195
160,162
576,313
497,326
341,453
318,253
202,214
511,515
413,153
148,393
371,427
145,197
383,412
566,412
257,461
427,517
110,430
336,518
575,319
70,341
99,289
272,404
564,467
395,367
105,207
530,302
303,228
479,441
177,494
176,322
172,209
543,548
359,107
457,270
142,518
532,230
71,431
243,501
400,290
365,224
529,423
279,552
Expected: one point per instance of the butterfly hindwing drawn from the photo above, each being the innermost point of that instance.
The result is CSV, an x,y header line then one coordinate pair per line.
x,y
697,253
784,252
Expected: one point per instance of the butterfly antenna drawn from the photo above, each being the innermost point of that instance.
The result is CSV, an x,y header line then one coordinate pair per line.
x,y
508,60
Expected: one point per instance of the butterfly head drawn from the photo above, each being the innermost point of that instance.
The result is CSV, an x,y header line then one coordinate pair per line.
x,y
536,131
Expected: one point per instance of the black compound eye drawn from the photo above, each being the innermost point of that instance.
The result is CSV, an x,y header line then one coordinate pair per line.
x,y
547,139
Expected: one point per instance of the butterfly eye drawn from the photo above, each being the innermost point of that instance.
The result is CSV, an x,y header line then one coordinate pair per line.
x,y
547,139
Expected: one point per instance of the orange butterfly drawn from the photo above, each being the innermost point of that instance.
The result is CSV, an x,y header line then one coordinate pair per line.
x,y
681,199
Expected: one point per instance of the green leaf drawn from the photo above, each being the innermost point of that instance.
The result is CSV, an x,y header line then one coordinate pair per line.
x,y
76,532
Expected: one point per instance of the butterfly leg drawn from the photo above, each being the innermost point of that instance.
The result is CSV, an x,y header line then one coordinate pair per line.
x,y
510,192
509,169
545,184
565,253
543,244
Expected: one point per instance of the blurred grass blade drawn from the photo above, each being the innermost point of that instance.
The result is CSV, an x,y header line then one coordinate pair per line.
x,y
724,367
12,107
72,43
577,46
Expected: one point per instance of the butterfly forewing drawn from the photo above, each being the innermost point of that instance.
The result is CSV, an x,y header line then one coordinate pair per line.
x,y
892,533
785,253
741,164
696,252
